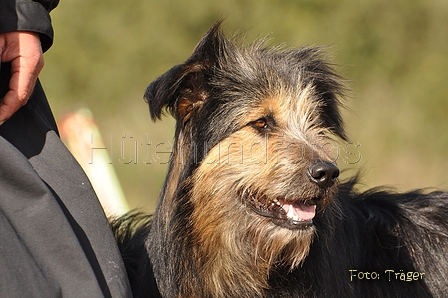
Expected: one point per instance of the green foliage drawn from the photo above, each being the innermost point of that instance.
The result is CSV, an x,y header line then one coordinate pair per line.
x,y
394,53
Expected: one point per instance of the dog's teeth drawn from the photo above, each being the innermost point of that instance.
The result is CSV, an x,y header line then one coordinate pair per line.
x,y
295,218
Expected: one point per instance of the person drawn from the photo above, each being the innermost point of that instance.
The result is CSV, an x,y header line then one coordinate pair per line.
x,y
55,240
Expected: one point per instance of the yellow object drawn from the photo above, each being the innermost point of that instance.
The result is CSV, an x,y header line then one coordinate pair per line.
x,y
78,130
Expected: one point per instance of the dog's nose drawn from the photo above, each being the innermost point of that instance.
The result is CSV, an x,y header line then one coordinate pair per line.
x,y
323,173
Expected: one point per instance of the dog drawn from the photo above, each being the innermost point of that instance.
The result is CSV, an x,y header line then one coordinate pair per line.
x,y
252,205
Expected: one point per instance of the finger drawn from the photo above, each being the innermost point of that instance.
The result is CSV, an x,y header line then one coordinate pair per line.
x,y
26,63
21,86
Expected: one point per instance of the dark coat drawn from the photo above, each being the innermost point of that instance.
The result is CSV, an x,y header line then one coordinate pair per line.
x,y
55,240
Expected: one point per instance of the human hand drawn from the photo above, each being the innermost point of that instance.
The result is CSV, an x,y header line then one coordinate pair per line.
x,y
24,51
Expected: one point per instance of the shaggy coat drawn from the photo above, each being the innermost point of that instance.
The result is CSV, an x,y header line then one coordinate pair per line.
x,y
251,206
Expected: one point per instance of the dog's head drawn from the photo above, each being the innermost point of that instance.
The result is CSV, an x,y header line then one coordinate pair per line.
x,y
254,137
269,109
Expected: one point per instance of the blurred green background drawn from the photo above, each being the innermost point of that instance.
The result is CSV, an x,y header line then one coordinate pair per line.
x,y
394,54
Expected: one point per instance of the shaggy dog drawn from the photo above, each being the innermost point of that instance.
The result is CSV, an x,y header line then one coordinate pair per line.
x,y
252,206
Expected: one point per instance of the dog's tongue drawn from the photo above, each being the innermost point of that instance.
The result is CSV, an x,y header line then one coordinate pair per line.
x,y
299,211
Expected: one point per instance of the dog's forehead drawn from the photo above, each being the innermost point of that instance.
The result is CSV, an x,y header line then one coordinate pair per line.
x,y
286,104
267,80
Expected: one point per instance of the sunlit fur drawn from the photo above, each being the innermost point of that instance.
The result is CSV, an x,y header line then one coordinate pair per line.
x,y
207,240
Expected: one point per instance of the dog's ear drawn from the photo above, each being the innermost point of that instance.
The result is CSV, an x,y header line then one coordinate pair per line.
x,y
184,88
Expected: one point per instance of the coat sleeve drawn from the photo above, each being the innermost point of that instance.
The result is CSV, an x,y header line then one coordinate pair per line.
x,y
28,15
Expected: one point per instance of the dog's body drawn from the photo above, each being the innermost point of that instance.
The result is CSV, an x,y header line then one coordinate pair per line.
x,y
251,206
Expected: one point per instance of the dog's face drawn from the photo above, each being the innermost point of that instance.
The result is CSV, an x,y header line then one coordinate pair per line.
x,y
254,135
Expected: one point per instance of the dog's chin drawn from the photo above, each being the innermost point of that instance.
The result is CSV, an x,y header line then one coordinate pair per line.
x,y
292,215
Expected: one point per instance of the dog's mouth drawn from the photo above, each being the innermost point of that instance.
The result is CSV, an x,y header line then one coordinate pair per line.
x,y
297,214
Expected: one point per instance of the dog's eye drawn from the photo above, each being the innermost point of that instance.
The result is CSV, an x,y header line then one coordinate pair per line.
x,y
261,123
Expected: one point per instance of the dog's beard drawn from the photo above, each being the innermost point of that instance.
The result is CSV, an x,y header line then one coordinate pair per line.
x,y
224,218
279,246
235,245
